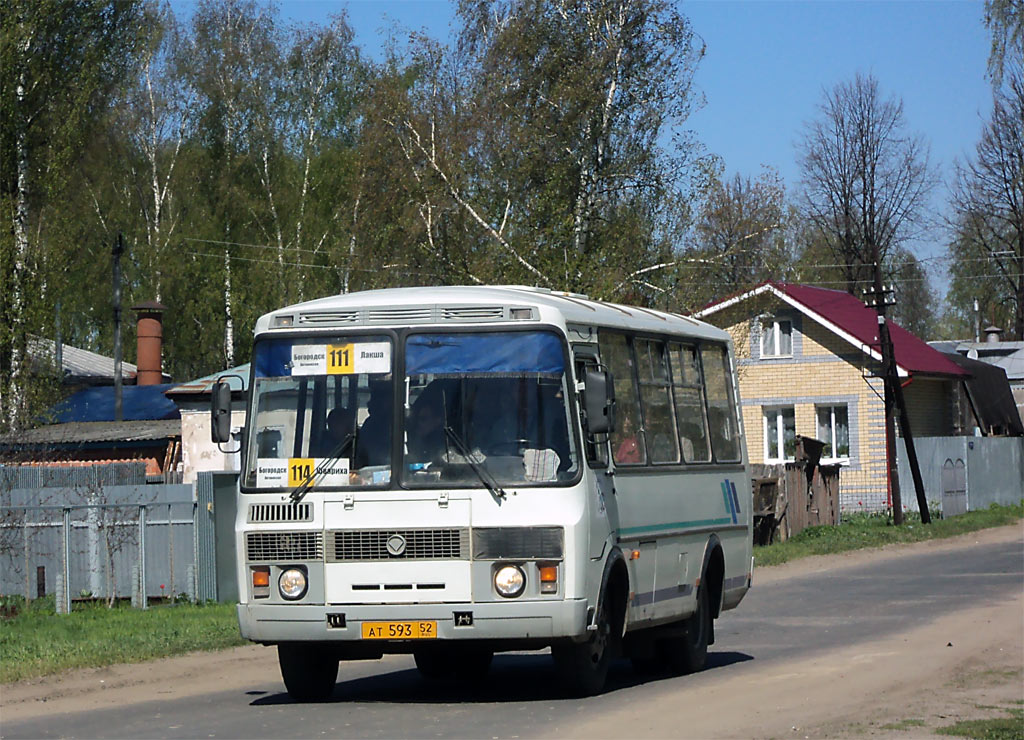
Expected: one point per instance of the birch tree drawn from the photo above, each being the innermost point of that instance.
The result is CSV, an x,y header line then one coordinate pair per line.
x,y
60,65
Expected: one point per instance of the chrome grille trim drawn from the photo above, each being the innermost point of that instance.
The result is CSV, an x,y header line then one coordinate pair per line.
x,y
348,545
521,543
473,313
261,547
422,314
403,314
274,513
329,317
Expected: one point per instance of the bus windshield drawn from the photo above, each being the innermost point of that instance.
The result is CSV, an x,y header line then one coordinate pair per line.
x,y
321,413
486,408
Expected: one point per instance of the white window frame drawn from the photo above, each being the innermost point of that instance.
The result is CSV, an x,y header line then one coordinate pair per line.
x,y
774,326
778,412
832,430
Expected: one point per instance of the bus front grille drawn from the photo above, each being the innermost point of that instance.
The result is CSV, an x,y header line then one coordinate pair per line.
x,y
348,545
283,546
271,513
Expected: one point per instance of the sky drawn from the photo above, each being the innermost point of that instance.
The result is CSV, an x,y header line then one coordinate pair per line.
x,y
768,64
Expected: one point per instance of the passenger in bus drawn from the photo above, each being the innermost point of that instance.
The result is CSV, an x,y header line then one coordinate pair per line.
x,y
425,431
373,443
628,451
495,423
340,437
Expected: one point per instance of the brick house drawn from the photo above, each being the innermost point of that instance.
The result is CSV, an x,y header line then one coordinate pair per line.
x,y
809,362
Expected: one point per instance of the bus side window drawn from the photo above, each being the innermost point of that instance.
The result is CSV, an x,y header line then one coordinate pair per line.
x,y
597,453
721,404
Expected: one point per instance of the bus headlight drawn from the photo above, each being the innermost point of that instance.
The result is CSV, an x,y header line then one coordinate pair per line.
x,y
292,584
509,581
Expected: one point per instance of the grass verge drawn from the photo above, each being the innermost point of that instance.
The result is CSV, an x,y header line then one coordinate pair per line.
x,y
38,642
859,531
997,728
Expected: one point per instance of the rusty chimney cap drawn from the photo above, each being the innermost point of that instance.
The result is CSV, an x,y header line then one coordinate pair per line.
x,y
149,307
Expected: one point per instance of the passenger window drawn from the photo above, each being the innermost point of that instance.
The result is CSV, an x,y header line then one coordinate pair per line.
x,y
691,415
656,401
627,443
721,404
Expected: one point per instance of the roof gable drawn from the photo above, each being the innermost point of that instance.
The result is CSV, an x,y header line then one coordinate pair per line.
x,y
849,318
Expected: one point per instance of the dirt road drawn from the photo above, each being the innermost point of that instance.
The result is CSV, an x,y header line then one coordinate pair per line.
x,y
904,684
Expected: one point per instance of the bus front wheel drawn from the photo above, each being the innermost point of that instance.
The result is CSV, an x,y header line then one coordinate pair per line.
x,y
309,671
583,666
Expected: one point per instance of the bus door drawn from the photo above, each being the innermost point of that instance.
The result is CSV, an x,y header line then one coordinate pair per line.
x,y
601,503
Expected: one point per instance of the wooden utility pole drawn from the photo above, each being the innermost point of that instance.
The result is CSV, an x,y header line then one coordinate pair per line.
x,y
894,401
117,252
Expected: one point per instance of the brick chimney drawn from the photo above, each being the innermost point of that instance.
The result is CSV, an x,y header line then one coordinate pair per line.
x,y
150,329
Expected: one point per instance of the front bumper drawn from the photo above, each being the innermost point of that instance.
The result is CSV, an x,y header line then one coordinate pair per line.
x,y
526,620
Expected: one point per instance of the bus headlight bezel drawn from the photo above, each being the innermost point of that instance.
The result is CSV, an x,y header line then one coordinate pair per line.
x,y
293,583
509,581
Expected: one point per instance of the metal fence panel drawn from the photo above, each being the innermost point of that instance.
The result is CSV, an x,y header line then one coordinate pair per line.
x,y
986,469
103,538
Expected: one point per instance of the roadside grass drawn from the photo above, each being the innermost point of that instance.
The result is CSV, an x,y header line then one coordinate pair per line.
x,y
37,641
904,724
859,531
1010,727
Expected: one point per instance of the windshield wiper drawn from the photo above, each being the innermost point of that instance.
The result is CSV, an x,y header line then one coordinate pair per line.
x,y
485,477
303,488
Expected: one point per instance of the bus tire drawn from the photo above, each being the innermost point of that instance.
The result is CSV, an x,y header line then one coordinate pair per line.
x,y
583,666
309,671
464,662
688,653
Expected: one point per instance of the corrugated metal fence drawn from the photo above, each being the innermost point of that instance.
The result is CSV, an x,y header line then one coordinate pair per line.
x,y
964,473
99,531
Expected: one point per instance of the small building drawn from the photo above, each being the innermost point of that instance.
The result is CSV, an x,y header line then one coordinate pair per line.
x,y
1009,356
199,452
809,363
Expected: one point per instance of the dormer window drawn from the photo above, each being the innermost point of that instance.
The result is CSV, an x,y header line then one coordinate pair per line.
x,y
776,337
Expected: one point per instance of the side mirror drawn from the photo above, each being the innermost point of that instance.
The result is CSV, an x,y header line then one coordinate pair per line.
x,y
220,412
599,398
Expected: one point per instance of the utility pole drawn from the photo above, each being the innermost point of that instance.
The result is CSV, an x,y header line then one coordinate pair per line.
x,y
894,401
117,251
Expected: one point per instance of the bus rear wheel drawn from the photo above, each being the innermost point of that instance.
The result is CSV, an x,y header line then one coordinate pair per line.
x,y
689,652
309,671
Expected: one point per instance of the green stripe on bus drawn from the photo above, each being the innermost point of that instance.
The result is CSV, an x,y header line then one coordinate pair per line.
x,y
676,525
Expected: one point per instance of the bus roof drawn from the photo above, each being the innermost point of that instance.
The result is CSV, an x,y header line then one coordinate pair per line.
x,y
466,305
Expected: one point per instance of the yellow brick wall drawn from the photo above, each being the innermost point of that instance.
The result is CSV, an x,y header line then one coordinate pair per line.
x,y
803,384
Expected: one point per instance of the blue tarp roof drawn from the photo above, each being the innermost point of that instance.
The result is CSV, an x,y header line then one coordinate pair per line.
x,y
138,403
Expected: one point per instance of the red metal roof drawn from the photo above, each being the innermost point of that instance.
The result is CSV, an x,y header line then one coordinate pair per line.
x,y
852,316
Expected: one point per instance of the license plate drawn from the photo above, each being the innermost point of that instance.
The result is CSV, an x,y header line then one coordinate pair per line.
x,y
399,630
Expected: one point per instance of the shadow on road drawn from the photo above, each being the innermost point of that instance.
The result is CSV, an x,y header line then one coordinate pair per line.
x,y
512,678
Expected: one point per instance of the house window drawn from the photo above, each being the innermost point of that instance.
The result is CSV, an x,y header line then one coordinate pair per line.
x,y
776,338
779,434
834,431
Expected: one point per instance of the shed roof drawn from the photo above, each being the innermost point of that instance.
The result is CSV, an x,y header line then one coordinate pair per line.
x,y
138,403
77,433
849,318
79,364
204,385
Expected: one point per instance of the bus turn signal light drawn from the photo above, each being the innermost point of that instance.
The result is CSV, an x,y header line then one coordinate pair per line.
x,y
261,582
548,579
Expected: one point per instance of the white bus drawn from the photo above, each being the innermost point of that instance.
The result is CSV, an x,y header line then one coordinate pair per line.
x,y
450,472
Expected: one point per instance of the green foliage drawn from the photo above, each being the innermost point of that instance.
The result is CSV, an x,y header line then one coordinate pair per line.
x,y
999,728
859,531
38,642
